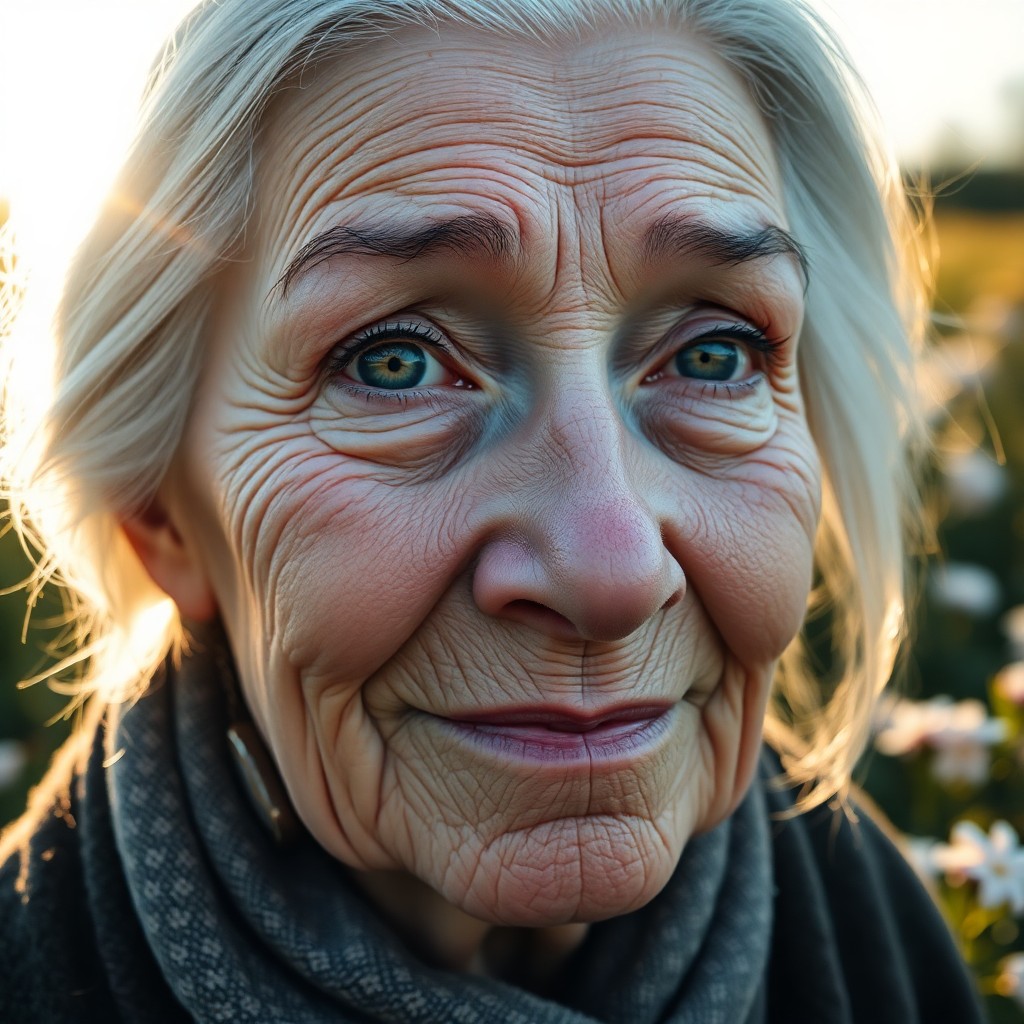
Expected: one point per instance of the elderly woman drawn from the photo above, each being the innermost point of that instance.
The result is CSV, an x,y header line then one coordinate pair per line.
x,y
486,383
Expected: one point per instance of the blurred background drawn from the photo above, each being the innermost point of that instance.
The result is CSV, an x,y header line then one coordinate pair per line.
x,y
947,765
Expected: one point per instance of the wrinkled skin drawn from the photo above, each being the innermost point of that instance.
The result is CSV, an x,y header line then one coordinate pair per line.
x,y
558,517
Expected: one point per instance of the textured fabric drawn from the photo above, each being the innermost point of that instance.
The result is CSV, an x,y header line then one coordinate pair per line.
x,y
146,892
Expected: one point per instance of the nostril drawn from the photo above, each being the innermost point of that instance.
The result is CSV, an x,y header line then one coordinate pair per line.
x,y
526,607
540,617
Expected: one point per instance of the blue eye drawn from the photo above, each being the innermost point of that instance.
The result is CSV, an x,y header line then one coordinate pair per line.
x,y
396,356
710,360
392,366
725,353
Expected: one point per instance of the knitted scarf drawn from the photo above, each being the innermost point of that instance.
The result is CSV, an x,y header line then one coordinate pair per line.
x,y
246,931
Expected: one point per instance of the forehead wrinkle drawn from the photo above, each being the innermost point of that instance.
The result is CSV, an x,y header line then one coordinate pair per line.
x,y
567,88
674,98
310,181
718,182
758,164
350,138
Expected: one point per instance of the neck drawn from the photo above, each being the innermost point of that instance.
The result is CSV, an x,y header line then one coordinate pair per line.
x,y
446,936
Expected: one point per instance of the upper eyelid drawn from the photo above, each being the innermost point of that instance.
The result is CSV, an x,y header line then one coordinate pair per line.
x,y
421,330
711,325
744,333
739,331
675,339
658,334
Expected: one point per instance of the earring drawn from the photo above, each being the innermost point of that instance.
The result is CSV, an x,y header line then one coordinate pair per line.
x,y
256,772
262,784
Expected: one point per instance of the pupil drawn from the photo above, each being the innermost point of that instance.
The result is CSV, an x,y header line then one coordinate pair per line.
x,y
393,366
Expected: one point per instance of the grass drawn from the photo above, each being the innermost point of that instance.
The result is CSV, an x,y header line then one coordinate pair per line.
x,y
981,258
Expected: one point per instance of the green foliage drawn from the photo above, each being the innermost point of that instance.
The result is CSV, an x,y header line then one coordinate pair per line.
x,y
26,741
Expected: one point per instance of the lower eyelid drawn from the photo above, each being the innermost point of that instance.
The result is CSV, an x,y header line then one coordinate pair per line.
x,y
730,388
384,397
437,396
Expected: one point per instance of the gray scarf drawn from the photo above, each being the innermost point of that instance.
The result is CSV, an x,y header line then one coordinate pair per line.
x,y
245,931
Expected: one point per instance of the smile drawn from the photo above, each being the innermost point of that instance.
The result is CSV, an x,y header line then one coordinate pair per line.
x,y
547,734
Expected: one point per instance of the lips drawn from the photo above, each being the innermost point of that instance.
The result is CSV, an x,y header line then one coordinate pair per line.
x,y
560,720
559,734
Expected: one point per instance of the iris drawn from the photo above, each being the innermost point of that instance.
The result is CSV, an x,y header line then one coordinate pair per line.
x,y
709,360
394,366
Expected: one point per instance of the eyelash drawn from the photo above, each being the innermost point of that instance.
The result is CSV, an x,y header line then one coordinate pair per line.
x,y
756,338
387,330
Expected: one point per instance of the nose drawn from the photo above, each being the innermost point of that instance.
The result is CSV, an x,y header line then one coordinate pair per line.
x,y
575,550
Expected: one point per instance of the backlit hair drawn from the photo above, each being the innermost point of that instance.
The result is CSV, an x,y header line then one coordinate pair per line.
x,y
133,322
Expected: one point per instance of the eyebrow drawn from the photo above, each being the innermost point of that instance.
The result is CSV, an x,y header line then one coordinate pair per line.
x,y
672,237
483,234
470,235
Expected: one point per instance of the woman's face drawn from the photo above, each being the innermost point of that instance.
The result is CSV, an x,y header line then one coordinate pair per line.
x,y
499,473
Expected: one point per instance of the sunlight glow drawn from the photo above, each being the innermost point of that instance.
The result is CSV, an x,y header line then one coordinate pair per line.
x,y
75,71
948,76
79,70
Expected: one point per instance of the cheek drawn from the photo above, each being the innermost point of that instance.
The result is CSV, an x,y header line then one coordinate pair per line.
x,y
748,544
341,569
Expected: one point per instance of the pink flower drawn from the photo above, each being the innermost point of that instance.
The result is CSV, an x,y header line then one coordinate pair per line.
x,y
907,725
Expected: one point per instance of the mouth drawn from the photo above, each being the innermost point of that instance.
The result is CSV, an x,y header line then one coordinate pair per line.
x,y
559,734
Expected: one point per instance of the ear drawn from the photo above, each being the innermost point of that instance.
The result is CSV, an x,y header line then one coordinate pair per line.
x,y
174,566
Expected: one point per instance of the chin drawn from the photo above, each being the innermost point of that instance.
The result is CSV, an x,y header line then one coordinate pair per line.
x,y
578,869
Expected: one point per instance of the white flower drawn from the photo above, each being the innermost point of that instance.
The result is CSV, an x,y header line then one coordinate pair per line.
x,y
974,482
1009,682
995,861
1010,982
967,588
12,760
960,734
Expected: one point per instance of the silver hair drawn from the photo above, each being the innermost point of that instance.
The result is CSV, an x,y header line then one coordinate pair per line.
x,y
133,323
